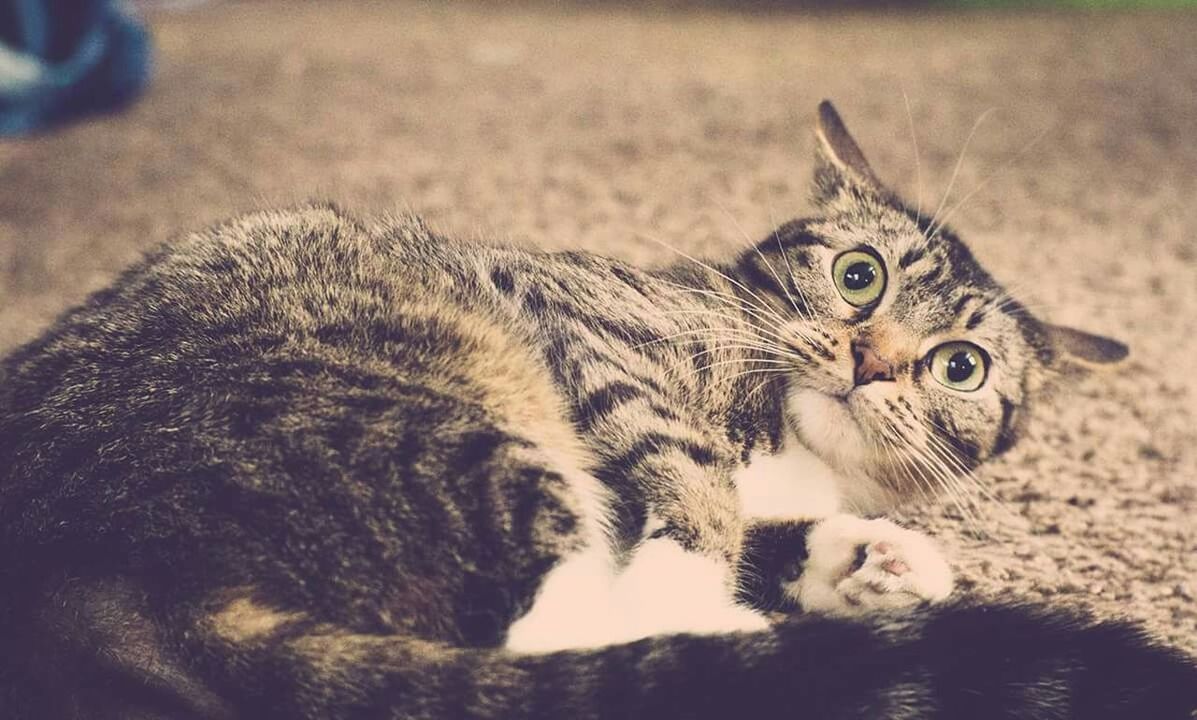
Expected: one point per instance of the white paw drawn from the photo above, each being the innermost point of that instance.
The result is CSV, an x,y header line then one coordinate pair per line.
x,y
666,589
663,590
855,566
573,608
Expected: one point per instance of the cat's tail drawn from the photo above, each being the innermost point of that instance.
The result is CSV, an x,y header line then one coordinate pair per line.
x,y
951,662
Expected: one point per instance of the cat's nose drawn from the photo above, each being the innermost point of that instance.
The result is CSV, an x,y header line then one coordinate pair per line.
x,y
870,367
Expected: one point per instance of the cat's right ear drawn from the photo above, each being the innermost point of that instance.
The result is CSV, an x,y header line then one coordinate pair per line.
x,y
841,170
1078,347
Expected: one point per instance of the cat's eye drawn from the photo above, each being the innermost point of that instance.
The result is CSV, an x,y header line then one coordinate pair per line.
x,y
859,276
959,365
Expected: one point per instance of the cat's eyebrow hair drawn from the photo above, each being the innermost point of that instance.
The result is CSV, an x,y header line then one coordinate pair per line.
x,y
975,319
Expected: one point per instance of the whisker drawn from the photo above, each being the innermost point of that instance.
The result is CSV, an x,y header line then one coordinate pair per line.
x,y
967,479
957,493
891,450
810,314
981,186
714,334
943,479
965,472
710,268
763,314
774,356
757,371
956,170
748,241
739,361
963,496
754,329
914,141
759,386
903,445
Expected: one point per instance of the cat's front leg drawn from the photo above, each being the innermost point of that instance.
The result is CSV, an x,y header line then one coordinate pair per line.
x,y
666,588
841,565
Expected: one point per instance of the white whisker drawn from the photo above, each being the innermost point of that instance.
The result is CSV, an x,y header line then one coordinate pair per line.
x,y
956,170
809,314
942,223
744,304
748,240
914,140
712,269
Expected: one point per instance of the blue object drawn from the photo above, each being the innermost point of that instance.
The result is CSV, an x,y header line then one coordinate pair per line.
x,y
61,59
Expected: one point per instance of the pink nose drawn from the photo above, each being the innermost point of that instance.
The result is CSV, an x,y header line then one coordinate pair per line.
x,y
870,367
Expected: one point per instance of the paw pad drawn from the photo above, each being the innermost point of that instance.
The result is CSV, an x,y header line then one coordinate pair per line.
x,y
857,565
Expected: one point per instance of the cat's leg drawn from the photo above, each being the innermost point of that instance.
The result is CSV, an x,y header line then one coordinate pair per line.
x,y
668,589
802,554
680,576
590,599
574,606
840,565
675,511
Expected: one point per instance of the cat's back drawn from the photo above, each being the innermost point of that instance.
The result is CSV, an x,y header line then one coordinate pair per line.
x,y
276,350
302,275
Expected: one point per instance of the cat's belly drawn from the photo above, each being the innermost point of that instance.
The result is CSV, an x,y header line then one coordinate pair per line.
x,y
792,484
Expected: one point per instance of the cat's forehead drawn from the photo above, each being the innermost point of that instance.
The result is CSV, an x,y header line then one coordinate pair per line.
x,y
938,287
880,227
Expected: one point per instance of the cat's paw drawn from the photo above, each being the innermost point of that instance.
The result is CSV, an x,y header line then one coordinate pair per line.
x,y
855,566
666,589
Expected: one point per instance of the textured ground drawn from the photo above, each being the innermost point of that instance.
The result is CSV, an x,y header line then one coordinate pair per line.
x,y
594,129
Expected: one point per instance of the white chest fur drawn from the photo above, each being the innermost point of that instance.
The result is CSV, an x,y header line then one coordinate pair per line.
x,y
793,484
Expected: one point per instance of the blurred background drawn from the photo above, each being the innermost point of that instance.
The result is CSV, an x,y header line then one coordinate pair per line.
x,y
1060,137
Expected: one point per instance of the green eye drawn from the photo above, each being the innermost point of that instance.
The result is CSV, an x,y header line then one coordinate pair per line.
x,y
959,365
859,276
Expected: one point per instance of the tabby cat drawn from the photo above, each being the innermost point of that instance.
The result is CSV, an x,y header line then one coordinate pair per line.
x,y
303,466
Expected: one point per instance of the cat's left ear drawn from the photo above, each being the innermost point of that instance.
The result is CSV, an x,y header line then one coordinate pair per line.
x,y
841,170
1085,348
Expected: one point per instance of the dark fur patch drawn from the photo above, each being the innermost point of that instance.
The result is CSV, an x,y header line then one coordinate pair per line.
x,y
599,403
910,257
502,279
774,552
1007,434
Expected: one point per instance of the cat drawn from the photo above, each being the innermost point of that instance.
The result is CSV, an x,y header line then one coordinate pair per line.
x,y
306,466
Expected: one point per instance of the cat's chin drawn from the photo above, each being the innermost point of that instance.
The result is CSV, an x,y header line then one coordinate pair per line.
x,y
828,426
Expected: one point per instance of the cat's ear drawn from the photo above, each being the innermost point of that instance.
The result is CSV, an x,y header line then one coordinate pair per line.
x,y
840,167
1085,348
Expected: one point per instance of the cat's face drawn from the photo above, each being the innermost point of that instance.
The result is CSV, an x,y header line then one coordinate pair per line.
x,y
912,365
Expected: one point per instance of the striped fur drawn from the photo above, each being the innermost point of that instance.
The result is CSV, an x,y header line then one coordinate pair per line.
x,y
301,466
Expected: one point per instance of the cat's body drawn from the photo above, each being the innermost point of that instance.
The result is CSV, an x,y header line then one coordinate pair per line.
x,y
302,467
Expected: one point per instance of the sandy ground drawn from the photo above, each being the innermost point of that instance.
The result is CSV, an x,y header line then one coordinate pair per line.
x,y
598,129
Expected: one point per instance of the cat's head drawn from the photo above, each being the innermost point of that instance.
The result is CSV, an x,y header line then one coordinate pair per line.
x,y
912,364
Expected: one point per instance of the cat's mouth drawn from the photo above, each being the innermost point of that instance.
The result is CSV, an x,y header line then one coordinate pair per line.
x,y
830,423
843,429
